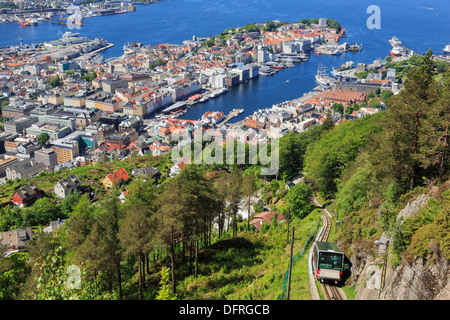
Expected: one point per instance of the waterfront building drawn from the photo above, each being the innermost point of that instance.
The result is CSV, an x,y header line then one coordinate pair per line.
x,y
232,79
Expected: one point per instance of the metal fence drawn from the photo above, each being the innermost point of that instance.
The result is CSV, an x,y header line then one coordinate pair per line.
x,y
296,257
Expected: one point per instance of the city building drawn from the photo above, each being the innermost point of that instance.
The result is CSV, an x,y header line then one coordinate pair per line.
x,y
6,162
24,169
18,125
47,157
64,186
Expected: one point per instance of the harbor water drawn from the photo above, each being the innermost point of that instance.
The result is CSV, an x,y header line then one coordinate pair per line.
x,y
419,24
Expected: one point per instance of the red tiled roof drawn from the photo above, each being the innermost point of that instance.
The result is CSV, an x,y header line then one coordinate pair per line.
x,y
118,175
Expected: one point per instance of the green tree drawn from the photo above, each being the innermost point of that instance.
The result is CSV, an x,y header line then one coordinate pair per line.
x,y
137,230
43,138
434,139
338,107
328,123
14,271
299,199
235,185
331,155
164,292
248,188
406,112
160,62
386,94
55,81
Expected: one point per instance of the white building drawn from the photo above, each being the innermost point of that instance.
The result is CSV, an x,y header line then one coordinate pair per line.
x,y
322,22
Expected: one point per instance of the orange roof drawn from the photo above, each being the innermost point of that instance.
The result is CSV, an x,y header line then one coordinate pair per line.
x,y
118,175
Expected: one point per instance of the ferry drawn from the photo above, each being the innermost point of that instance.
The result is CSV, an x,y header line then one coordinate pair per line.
x,y
396,51
336,53
336,73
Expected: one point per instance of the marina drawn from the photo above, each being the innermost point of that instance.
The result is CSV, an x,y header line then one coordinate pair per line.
x,y
145,25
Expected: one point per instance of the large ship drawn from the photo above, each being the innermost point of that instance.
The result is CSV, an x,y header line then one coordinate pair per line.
x,y
321,75
64,20
396,51
447,49
25,22
68,34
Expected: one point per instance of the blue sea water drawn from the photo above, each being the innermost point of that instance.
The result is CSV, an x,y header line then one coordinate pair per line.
x,y
419,24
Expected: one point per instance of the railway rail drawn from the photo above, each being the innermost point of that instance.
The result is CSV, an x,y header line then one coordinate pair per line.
x,y
330,291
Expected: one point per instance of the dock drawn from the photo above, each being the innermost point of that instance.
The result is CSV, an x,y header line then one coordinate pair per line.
x,y
232,114
93,53
399,49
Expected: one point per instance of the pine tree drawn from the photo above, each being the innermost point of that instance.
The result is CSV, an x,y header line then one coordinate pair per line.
x,y
235,185
328,123
435,132
248,188
406,115
137,230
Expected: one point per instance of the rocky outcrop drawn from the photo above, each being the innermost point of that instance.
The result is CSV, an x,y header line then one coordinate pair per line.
x,y
417,280
413,207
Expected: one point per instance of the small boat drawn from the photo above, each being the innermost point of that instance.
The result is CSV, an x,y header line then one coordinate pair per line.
x,y
279,66
336,53
336,73
287,81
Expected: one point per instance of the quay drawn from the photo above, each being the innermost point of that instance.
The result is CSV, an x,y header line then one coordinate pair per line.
x,y
399,49
232,114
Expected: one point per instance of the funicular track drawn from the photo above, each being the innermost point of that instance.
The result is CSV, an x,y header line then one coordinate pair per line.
x,y
330,291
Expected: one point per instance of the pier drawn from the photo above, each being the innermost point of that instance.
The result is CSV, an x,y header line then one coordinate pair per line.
x,y
232,114
399,49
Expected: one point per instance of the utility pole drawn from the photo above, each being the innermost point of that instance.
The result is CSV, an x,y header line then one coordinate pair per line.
x,y
290,265
288,220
